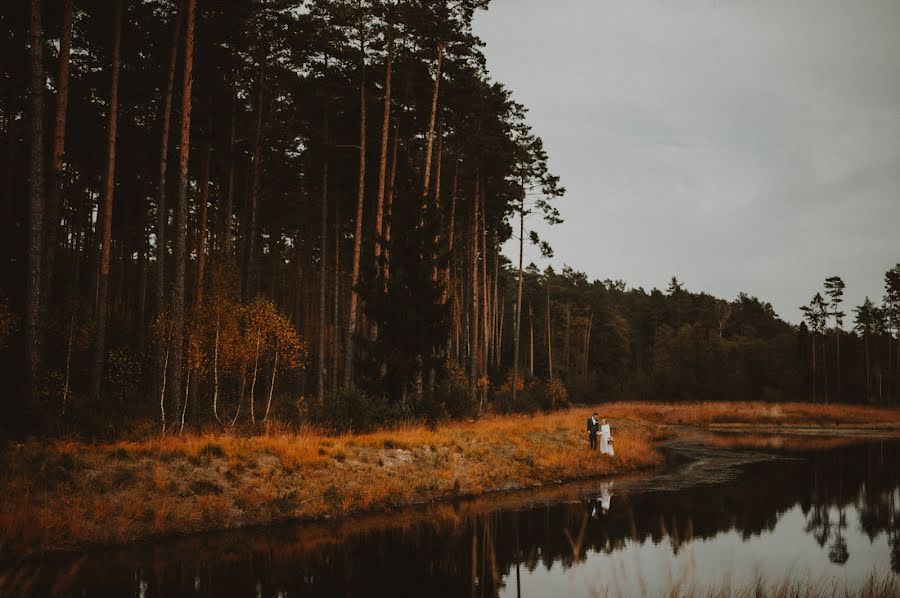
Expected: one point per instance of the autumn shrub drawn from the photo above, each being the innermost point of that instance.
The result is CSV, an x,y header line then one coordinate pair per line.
x,y
453,393
355,411
529,395
556,395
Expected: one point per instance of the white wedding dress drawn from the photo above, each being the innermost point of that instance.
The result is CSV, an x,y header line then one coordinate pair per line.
x,y
606,446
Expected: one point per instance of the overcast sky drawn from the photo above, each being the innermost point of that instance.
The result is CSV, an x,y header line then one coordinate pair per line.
x,y
741,145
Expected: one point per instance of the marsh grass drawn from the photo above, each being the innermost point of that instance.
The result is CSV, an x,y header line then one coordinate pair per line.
x,y
65,493
877,585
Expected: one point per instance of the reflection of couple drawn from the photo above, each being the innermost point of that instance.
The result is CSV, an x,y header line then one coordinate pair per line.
x,y
601,427
601,506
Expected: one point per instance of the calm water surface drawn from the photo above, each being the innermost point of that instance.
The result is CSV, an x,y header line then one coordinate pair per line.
x,y
715,517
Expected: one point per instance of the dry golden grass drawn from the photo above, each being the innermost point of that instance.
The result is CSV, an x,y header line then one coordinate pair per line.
x,y
757,414
62,493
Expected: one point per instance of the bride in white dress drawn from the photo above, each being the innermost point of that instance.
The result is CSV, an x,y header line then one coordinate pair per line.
x,y
606,444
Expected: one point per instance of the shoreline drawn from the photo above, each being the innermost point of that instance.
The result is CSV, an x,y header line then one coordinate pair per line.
x,y
65,496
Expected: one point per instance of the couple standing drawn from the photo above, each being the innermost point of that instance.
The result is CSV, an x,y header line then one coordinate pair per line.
x,y
600,427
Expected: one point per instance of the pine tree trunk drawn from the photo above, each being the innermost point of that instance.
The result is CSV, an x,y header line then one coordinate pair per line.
x,y
426,179
383,155
161,211
336,322
473,332
105,244
162,388
352,311
530,340
838,357
54,183
323,259
251,282
201,234
229,196
389,205
485,292
179,287
36,199
216,373
518,318
549,318
587,344
451,226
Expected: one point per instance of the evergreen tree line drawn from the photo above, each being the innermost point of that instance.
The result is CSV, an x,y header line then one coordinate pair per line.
x,y
603,340
219,213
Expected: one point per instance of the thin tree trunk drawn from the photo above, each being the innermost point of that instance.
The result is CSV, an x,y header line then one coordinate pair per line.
x,y
838,357
426,179
389,204
201,235
825,364
813,338
451,225
323,259
486,297
587,343
251,287
518,318
530,340
229,196
161,211
352,310
54,186
187,385
162,391
500,331
495,295
335,336
253,380
271,385
105,245
178,291
240,395
36,199
474,360
549,334
868,377
65,396
383,156
216,373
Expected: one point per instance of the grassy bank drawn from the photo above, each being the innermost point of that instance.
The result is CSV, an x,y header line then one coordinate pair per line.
x,y
774,417
64,493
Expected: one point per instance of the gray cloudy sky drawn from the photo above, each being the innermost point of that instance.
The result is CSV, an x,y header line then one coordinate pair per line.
x,y
738,144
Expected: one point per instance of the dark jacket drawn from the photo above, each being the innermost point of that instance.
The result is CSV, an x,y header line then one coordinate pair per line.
x,y
593,426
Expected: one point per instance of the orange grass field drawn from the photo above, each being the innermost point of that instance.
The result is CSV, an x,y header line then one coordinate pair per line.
x,y
63,493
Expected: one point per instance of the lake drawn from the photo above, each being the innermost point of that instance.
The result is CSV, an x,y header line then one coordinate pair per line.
x,y
716,516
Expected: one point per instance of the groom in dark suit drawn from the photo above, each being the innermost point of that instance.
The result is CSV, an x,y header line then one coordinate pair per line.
x,y
593,427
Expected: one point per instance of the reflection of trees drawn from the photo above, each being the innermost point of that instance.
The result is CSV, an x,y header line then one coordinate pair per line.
x,y
476,556
838,553
818,523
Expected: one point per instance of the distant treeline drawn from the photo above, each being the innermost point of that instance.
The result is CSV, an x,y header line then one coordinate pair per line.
x,y
607,341
221,213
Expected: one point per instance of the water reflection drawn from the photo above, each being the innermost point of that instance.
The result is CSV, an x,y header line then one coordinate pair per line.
x,y
833,512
